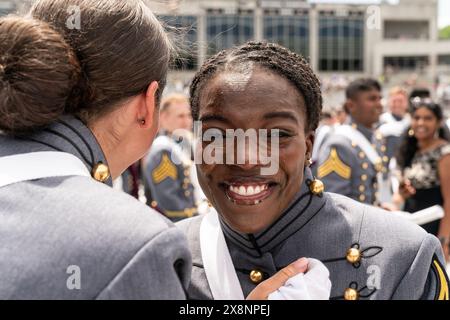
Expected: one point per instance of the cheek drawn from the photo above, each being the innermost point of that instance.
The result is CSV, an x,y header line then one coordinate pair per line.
x,y
292,157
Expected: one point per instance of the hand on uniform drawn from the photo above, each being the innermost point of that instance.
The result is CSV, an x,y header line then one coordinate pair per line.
x,y
406,189
304,279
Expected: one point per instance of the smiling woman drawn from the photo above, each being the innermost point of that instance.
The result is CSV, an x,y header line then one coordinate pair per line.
x,y
264,222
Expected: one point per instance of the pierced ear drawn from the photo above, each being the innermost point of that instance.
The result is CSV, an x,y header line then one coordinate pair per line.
x,y
147,111
310,143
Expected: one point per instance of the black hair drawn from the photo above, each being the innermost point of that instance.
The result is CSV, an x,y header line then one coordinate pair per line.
x,y
419,93
272,56
361,85
409,146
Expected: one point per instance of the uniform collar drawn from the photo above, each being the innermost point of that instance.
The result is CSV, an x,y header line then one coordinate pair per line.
x,y
368,133
305,206
71,135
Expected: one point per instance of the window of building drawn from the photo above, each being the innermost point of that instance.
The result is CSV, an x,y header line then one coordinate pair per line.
x,y
406,30
184,31
227,30
444,60
289,31
406,63
341,42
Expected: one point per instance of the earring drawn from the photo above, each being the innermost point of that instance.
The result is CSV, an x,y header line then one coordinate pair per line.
x,y
411,132
143,122
310,162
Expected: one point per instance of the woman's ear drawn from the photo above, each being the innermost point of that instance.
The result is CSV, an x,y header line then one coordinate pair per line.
x,y
309,144
146,115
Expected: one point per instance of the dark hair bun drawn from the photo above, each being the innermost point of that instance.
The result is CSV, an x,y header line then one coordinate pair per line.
x,y
38,74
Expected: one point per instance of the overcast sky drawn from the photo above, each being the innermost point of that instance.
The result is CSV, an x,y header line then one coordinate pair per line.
x,y
444,8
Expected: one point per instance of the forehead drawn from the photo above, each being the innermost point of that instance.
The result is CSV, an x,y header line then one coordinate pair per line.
x,y
256,91
423,111
178,107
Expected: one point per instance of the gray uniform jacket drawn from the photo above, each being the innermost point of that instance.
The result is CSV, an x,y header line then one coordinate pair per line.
x,y
399,260
344,168
167,179
76,238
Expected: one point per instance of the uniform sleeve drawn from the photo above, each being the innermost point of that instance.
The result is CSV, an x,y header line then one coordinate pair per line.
x,y
335,168
426,279
160,270
170,186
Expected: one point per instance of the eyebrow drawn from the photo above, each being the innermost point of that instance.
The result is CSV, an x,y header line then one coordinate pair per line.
x,y
281,114
213,117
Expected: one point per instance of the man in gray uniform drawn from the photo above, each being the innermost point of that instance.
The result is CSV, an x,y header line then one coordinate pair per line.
x,y
107,246
350,161
370,253
167,168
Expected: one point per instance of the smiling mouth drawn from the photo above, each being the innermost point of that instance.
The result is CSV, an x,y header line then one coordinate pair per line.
x,y
248,193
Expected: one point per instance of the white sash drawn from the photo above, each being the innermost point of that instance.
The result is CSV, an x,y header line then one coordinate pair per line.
x,y
39,165
224,283
384,185
217,262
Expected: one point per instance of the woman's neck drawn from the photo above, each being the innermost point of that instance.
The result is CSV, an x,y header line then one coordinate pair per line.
x,y
427,144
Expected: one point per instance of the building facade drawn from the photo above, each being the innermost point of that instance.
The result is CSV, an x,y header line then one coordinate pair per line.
x,y
379,40
355,39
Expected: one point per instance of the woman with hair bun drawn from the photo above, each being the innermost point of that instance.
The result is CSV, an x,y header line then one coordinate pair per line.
x,y
77,107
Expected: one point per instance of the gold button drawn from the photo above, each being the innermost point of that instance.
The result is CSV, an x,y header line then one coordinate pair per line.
x,y
379,136
362,197
185,186
385,159
187,193
354,144
100,172
378,164
353,255
351,294
375,185
316,186
186,181
364,177
256,276
365,165
154,204
383,148
362,188
362,155
186,173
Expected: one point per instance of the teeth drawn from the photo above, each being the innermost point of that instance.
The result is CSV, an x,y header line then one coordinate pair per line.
x,y
249,191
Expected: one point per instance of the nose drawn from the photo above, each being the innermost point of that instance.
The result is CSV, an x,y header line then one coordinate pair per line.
x,y
247,154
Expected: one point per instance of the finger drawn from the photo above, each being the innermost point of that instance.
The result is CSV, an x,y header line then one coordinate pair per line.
x,y
262,291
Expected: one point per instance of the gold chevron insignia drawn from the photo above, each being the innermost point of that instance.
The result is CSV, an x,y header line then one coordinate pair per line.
x,y
442,290
334,164
166,169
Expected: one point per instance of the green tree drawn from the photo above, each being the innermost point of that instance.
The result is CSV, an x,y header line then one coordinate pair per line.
x,y
444,33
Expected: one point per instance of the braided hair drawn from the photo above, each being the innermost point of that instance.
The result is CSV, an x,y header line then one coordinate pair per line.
x,y
272,56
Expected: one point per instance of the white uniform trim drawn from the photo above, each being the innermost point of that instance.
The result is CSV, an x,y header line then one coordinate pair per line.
x,y
39,165
219,268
